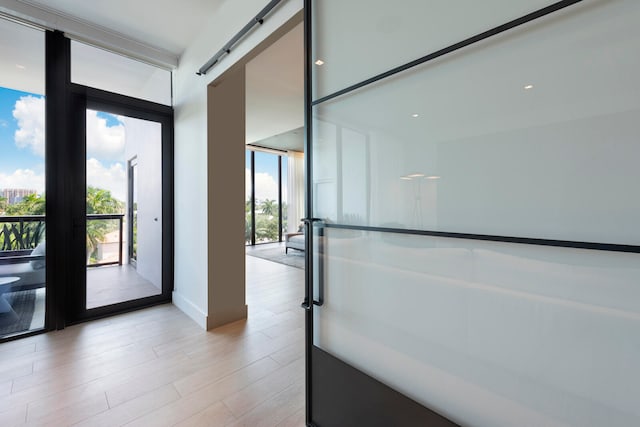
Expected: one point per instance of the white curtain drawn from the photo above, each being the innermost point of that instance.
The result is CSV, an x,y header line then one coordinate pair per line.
x,y
295,190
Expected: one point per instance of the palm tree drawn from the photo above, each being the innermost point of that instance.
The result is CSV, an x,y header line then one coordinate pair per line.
x,y
100,201
31,204
269,207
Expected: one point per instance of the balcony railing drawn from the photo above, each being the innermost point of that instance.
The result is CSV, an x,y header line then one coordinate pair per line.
x,y
104,218
19,235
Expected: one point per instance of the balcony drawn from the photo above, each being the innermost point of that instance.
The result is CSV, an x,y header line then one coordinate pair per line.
x,y
110,277
20,235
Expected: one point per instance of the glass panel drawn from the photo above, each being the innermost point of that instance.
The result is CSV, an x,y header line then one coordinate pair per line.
x,y
356,40
285,194
529,134
488,334
295,191
133,210
514,137
266,176
98,68
248,231
22,180
114,276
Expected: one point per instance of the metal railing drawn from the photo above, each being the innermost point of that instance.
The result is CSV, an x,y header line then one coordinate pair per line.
x,y
106,217
19,235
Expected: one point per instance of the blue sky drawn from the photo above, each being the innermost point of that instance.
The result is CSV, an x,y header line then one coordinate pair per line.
x,y
266,176
11,156
22,145
22,162
111,119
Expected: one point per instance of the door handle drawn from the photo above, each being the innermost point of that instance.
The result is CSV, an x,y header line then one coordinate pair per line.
x,y
309,301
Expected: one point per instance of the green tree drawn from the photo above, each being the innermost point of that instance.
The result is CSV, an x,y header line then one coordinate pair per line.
x,y
26,236
3,205
266,229
269,207
247,221
31,204
100,201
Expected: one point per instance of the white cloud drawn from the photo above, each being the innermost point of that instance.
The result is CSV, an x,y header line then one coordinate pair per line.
x,y
266,186
23,178
113,178
104,142
29,112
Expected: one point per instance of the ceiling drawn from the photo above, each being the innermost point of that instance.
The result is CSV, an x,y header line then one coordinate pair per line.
x,y
275,94
167,25
275,88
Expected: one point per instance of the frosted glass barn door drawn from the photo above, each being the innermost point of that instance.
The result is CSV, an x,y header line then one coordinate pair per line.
x,y
475,252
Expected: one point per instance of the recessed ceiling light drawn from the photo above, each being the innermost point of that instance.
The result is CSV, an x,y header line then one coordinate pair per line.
x,y
527,87
319,62
406,178
22,67
416,175
432,177
415,115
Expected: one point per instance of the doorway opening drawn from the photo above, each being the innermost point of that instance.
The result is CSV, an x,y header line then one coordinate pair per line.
x,y
274,167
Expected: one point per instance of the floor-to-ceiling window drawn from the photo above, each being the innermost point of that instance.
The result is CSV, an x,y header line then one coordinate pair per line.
x,y
108,125
22,179
266,197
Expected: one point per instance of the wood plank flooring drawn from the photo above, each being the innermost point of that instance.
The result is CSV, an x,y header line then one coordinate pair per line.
x,y
155,367
114,284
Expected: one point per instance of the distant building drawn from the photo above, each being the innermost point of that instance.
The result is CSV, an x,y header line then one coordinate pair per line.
x,y
15,195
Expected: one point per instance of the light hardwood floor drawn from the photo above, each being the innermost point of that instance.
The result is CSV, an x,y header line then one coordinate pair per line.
x,y
113,284
155,367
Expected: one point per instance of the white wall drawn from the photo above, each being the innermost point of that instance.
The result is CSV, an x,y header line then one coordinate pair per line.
x,y
190,103
144,140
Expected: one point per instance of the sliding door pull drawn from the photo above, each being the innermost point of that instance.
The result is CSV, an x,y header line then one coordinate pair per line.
x,y
309,302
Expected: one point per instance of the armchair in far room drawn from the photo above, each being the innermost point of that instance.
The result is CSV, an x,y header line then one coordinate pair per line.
x,y
294,241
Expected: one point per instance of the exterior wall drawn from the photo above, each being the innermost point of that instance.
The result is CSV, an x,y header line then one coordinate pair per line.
x,y
144,141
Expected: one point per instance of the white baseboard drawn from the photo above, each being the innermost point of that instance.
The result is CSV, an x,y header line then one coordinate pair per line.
x,y
190,309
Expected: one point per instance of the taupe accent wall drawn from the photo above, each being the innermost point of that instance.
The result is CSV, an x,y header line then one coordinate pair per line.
x,y
225,195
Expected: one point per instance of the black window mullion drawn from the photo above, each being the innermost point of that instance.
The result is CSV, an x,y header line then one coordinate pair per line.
x,y
280,198
253,198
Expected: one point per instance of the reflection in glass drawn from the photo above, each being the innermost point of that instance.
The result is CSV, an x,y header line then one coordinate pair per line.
x,y
516,148
534,134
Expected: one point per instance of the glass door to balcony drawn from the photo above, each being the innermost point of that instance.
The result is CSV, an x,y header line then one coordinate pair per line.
x,y
23,289
123,252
